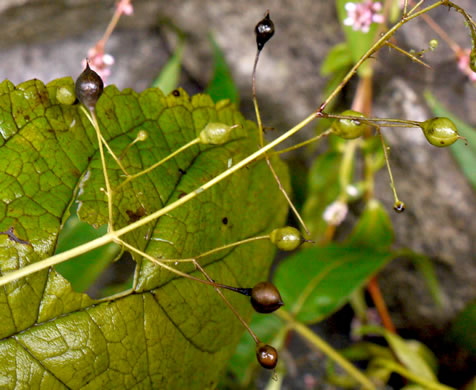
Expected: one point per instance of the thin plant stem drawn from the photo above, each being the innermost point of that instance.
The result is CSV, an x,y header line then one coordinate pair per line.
x,y
106,144
232,308
413,57
399,369
157,164
110,28
321,345
95,124
304,143
268,162
415,7
377,298
214,250
385,153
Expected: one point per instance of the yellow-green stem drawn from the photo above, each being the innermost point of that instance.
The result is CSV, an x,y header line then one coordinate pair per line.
x,y
322,346
157,164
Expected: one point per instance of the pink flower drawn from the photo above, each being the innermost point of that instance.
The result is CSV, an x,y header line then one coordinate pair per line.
x,y
100,62
463,64
335,213
361,15
125,7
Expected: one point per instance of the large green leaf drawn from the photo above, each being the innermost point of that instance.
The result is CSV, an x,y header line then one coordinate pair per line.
x,y
315,282
170,332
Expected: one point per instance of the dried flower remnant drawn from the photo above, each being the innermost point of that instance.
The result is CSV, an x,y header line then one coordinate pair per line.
x,y
463,64
361,15
335,213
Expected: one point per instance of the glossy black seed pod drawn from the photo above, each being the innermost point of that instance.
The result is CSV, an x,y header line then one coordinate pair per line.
x,y
265,298
264,30
89,87
267,356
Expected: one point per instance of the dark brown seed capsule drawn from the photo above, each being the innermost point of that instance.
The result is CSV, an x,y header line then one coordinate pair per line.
x,y
265,298
267,356
264,30
89,87
399,206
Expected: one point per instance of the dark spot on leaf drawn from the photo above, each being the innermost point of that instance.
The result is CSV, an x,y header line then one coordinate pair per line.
x,y
135,215
181,195
76,172
182,171
176,92
442,142
224,221
11,236
27,117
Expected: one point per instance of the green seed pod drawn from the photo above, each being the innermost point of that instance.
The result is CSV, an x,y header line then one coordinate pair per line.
x,y
399,206
440,131
142,135
286,238
265,298
267,356
264,30
472,59
433,44
349,128
89,87
215,133
65,95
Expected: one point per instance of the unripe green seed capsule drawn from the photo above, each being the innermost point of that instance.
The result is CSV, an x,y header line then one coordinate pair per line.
x,y
440,131
65,95
265,298
142,135
286,238
216,133
267,356
89,87
349,128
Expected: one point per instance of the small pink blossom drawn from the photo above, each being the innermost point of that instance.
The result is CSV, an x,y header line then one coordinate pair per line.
x,y
100,62
361,15
125,7
463,64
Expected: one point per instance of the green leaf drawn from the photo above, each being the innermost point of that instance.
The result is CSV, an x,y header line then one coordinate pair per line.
x,y
357,41
82,271
221,85
169,76
324,187
462,328
171,332
465,155
406,351
374,228
339,57
315,282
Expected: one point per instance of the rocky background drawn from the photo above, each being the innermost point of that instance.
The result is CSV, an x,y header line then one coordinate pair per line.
x,y
47,39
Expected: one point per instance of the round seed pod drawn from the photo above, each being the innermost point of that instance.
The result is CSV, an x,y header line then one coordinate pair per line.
x,y
399,206
66,95
265,298
216,133
264,30
286,238
89,87
349,128
440,131
267,356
